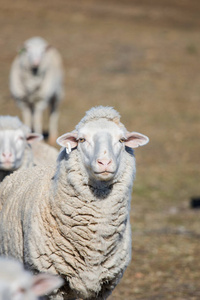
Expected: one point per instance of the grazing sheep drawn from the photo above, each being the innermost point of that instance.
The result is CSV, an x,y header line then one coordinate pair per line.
x,y
18,284
73,220
18,147
15,145
36,79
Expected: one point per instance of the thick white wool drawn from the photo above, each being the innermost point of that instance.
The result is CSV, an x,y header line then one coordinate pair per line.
x,y
99,112
44,154
68,225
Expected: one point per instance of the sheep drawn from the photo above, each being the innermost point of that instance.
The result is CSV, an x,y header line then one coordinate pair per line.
x,y
73,219
18,147
19,284
15,145
36,82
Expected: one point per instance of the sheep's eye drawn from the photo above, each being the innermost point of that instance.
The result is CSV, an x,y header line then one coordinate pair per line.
x,y
81,140
122,140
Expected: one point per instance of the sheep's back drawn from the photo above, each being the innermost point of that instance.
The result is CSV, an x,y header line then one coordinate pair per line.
x,y
18,195
44,154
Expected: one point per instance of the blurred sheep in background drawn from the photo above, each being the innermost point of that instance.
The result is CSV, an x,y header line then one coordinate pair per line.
x,y
36,82
19,148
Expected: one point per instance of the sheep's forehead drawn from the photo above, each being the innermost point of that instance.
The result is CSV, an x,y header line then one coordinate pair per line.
x,y
8,122
11,133
11,270
36,43
102,126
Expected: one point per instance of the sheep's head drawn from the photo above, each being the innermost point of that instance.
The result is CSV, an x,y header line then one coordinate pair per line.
x,y
18,284
34,50
101,143
14,137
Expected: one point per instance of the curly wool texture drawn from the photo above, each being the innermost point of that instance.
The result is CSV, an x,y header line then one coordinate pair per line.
x,y
100,112
68,227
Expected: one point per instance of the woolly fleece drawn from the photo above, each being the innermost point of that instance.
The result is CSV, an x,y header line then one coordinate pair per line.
x,y
53,219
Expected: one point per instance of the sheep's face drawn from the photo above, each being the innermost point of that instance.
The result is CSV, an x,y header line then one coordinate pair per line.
x,y
34,50
24,286
18,284
101,144
12,147
16,287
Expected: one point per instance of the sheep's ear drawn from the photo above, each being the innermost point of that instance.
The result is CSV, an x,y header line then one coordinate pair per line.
x,y
33,137
45,283
135,139
67,139
48,47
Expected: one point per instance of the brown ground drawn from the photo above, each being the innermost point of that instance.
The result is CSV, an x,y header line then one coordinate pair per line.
x,y
143,58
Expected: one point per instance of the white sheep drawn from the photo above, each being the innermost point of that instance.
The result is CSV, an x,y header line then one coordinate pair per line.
x,y
18,147
18,284
36,82
74,219
15,145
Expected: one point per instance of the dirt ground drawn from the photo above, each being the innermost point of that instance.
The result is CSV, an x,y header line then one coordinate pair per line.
x,y
142,58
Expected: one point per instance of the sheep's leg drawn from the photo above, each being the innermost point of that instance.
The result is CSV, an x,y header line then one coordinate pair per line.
x,y
37,119
53,132
53,121
27,116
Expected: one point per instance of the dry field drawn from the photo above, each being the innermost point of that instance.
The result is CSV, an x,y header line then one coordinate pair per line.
x,y
142,58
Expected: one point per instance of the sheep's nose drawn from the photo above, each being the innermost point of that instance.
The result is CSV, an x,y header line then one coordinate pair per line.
x,y
7,155
104,162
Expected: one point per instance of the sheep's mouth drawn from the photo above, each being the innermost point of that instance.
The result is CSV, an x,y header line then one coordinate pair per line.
x,y
6,165
104,173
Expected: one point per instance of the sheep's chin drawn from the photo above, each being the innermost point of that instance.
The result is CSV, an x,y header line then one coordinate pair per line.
x,y
11,165
104,176
7,166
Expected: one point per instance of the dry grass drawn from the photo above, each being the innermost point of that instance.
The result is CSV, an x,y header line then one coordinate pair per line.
x,y
143,59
